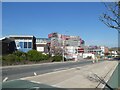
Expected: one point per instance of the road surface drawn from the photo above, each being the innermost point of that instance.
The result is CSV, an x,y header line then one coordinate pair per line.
x,y
25,71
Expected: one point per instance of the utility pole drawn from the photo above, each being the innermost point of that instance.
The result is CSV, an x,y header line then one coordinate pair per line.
x,y
63,50
119,26
77,46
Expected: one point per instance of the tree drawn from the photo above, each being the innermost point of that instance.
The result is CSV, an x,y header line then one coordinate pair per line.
x,y
112,17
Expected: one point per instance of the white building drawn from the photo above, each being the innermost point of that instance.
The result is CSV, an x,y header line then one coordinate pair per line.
x,y
42,44
85,55
24,42
70,52
113,53
103,50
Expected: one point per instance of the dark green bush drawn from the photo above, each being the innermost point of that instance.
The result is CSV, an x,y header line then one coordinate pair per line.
x,y
23,57
31,56
20,56
57,58
45,57
34,55
18,53
9,59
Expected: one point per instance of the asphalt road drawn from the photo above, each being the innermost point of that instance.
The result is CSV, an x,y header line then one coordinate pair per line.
x,y
25,71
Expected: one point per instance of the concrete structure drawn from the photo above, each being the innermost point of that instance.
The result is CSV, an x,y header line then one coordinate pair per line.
x,y
94,49
67,45
24,43
100,50
104,50
86,55
90,51
42,45
113,53
56,43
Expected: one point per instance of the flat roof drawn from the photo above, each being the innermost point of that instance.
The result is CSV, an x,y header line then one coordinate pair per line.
x,y
43,38
20,36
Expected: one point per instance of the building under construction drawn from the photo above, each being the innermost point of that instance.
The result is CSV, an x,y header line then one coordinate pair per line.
x,y
68,45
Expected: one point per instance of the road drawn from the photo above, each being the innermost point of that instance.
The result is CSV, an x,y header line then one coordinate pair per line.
x,y
25,71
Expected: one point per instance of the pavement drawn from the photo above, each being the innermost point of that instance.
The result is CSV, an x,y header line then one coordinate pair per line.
x,y
77,77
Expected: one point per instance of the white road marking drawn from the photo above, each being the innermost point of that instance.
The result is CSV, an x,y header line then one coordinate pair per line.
x,y
6,78
24,78
56,86
60,69
35,73
35,82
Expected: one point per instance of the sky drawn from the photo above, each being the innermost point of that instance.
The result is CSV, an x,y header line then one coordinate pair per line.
x,y
70,18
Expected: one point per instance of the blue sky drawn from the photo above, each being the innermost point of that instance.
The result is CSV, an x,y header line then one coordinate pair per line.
x,y
40,19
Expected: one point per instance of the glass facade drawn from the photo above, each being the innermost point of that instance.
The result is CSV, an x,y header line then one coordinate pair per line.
x,y
29,44
25,44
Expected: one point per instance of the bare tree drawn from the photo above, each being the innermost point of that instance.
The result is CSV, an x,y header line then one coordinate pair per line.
x,y
111,18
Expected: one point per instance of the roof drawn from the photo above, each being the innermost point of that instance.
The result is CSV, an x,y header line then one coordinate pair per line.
x,y
43,38
2,38
6,40
20,35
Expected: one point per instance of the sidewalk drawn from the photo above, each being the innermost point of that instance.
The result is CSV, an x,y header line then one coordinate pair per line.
x,y
79,77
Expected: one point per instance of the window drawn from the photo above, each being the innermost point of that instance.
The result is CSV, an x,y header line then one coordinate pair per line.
x,y
17,44
21,44
29,44
25,44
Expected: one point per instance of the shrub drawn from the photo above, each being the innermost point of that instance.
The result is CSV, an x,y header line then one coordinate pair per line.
x,y
18,53
20,56
45,57
9,59
23,57
57,58
34,55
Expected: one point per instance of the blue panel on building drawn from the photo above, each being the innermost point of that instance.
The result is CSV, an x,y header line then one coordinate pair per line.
x,y
24,46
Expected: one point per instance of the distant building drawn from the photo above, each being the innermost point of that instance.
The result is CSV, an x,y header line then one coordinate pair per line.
x,y
7,45
104,50
114,53
24,43
56,43
42,45
70,45
97,50
94,50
